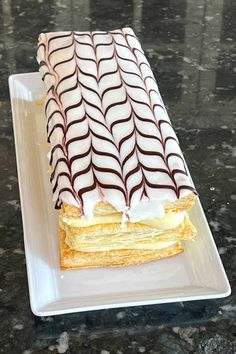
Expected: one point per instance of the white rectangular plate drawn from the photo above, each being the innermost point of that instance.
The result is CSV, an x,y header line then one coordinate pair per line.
x,y
196,274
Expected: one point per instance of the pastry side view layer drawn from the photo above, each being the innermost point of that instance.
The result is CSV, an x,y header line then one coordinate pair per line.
x,y
118,174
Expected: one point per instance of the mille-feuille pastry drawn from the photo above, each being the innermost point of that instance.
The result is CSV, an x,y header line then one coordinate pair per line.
x,y
118,175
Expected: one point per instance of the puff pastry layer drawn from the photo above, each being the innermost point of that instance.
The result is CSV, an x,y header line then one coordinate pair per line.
x,y
121,249
71,259
134,235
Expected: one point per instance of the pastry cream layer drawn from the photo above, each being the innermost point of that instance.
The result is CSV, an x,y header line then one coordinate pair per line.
x,y
107,237
116,242
169,220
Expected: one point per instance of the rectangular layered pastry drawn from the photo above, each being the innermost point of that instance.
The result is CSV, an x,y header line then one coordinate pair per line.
x,y
119,178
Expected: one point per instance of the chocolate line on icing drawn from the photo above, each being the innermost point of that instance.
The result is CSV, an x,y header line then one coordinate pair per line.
x,y
62,62
57,49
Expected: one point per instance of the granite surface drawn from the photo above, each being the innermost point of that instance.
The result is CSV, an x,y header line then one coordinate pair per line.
x,y
191,47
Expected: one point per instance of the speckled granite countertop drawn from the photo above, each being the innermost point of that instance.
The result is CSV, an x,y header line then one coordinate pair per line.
x,y
190,46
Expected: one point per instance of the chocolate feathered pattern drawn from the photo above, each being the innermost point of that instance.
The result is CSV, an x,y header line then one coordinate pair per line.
x,y
122,143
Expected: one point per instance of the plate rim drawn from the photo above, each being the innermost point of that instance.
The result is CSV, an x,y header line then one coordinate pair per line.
x,y
43,311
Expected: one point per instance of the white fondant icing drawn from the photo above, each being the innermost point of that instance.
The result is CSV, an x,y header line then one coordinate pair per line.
x,y
103,104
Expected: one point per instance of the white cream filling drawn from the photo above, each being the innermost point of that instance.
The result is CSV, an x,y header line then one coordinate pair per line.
x,y
146,210
168,221
88,244
157,245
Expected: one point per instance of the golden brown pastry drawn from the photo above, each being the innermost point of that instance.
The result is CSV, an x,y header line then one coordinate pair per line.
x,y
71,259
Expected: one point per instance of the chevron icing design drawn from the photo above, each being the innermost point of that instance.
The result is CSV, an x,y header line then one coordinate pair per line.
x,y
109,132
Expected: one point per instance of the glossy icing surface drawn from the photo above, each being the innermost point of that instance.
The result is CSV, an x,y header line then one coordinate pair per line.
x,y
110,135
